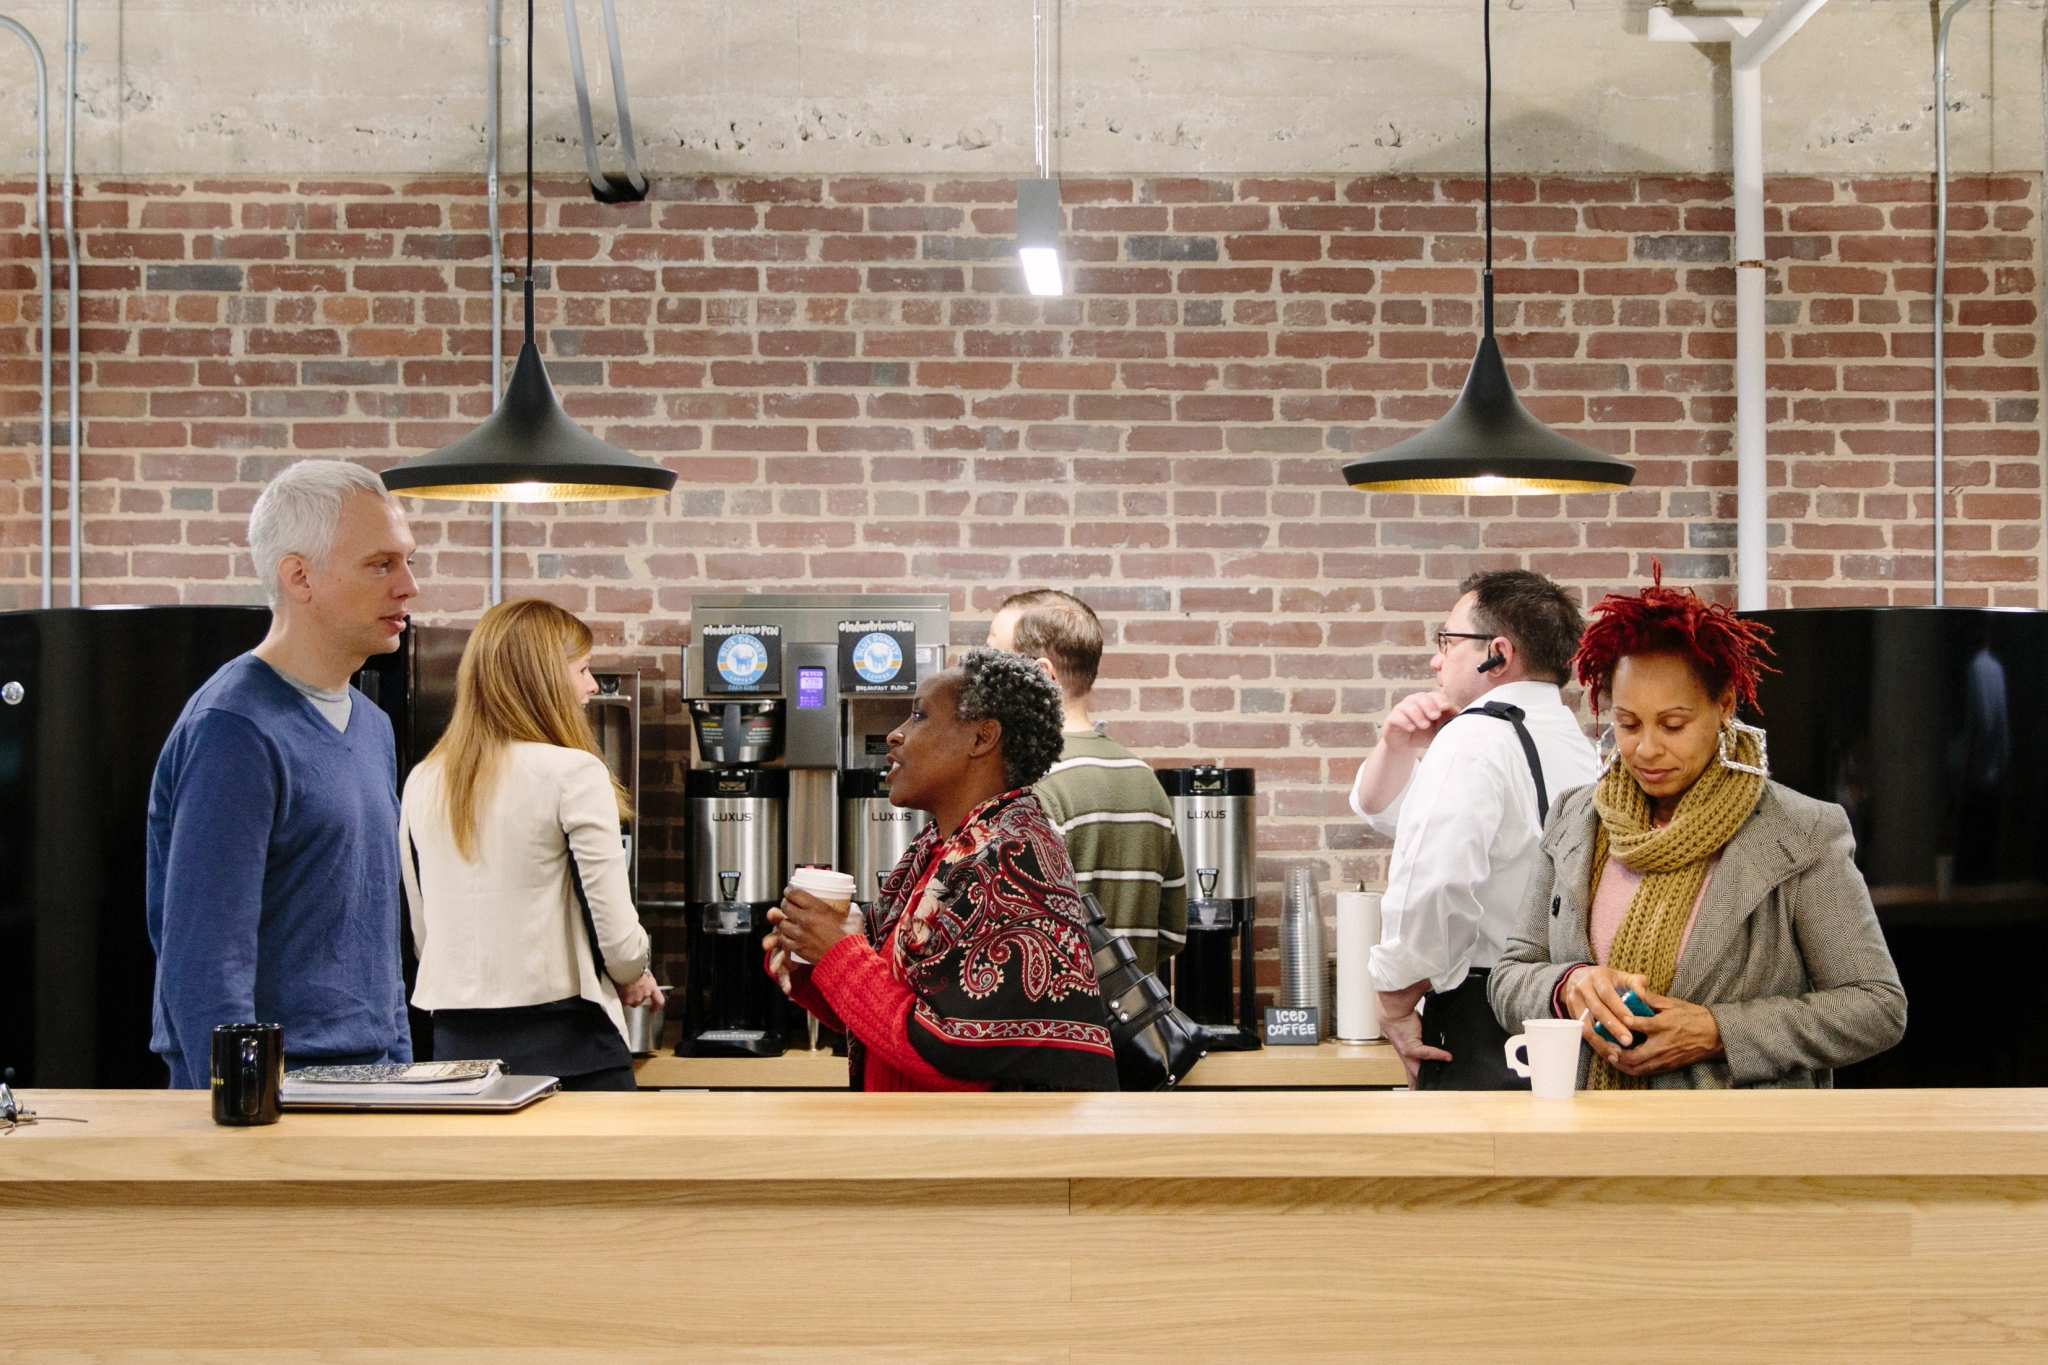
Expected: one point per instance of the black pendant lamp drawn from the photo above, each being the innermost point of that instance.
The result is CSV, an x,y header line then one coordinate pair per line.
x,y
1488,442
529,450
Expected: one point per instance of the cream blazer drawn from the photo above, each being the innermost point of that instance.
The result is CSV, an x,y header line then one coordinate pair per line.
x,y
507,930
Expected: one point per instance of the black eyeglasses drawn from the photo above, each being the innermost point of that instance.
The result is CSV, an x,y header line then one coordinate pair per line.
x,y
1444,635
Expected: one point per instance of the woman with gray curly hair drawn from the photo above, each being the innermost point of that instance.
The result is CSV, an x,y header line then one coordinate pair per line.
x,y
975,972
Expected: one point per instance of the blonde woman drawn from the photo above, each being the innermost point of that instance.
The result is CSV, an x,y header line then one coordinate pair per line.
x,y
508,828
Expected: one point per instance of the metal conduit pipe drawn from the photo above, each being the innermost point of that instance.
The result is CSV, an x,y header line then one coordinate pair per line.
x,y
76,521
1941,303
494,45
42,154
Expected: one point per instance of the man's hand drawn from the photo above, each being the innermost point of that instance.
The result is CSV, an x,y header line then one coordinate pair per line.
x,y
1405,733
1402,1027
1414,721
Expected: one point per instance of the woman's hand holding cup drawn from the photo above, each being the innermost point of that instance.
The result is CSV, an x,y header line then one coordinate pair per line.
x,y
816,912
778,960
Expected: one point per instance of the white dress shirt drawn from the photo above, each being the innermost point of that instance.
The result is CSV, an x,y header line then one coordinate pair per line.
x,y
1465,836
506,930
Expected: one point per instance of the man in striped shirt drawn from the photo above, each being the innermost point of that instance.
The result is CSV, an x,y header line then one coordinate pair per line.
x,y
1104,800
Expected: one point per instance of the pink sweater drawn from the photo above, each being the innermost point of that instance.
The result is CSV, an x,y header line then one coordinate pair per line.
x,y
1618,883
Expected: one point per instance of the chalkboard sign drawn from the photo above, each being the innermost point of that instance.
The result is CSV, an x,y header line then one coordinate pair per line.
x,y
1293,1028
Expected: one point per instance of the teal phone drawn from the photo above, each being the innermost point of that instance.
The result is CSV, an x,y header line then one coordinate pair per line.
x,y
1636,1006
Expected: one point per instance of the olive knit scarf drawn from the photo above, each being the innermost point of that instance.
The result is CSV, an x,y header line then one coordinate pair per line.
x,y
1673,862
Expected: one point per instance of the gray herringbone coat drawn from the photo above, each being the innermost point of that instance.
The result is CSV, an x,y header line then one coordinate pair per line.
x,y
1785,949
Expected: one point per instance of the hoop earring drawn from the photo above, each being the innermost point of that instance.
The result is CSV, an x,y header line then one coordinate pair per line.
x,y
1606,748
1731,731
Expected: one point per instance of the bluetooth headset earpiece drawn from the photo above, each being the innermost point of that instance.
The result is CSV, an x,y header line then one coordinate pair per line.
x,y
1494,659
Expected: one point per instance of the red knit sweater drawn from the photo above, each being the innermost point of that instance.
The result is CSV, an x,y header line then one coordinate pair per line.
x,y
852,989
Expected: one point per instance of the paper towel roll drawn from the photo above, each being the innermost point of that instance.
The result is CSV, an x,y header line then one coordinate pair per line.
x,y
1358,929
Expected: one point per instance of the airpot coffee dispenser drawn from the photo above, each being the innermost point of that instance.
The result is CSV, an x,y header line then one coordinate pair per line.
x,y
874,835
734,818
1213,977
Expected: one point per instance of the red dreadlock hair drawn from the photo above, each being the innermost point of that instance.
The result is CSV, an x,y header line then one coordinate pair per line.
x,y
1720,646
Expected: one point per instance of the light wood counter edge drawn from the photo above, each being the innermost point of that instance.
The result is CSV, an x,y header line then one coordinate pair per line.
x,y
1328,1065
650,1138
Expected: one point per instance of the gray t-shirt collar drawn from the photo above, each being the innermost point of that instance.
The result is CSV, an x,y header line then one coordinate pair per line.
x,y
335,706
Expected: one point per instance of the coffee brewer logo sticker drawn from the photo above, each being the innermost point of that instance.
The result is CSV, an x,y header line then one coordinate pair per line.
x,y
877,656
743,658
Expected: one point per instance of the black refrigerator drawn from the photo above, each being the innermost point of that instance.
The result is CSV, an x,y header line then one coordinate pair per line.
x,y
87,697
1929,726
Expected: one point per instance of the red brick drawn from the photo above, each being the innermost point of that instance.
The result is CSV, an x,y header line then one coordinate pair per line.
x,y
138,246
1328,280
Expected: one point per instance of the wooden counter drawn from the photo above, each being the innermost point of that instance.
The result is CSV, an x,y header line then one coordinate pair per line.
x,y
1864,1226
1325,1066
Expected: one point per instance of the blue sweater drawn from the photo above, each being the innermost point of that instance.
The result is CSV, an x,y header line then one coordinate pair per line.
x,y
273,880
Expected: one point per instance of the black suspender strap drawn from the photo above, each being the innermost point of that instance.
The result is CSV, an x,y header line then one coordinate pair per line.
x,y
1515,715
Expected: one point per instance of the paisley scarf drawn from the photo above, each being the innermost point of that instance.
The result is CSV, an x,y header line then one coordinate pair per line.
x,y
993,944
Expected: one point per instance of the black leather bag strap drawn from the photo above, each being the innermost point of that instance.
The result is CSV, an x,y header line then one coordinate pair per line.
x,y
1515,716
1155,1043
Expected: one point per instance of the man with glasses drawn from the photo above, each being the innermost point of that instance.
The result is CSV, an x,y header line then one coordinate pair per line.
x,y
1465,805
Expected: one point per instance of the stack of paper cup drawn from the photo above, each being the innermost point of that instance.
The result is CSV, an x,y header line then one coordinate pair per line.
x,y
1358,929
826,885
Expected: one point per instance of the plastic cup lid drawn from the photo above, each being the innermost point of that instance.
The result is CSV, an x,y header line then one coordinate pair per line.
x,y
823,882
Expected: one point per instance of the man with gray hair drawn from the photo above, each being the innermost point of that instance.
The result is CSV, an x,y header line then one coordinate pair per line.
x,y
272,885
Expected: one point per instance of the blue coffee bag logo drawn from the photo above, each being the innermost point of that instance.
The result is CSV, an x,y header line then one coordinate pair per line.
x,y
877,657
742,660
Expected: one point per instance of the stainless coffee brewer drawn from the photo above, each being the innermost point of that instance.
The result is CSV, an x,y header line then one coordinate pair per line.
x,y
1214,981
801,691
874,834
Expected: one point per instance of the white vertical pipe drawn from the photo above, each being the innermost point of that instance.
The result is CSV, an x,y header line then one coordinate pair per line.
x,y
1941,305
493,44
1041,140
1752,492
77,520
1752,484
35,52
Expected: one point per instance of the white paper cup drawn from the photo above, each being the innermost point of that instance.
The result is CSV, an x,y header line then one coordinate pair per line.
x,y
1553,1050
826,885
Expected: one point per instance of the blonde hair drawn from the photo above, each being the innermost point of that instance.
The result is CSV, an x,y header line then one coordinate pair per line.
x,y
513,685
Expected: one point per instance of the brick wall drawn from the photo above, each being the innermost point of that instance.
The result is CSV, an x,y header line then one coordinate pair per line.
x,y
855,394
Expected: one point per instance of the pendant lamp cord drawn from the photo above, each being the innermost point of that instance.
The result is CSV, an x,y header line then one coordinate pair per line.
x,y
529,172
1486,46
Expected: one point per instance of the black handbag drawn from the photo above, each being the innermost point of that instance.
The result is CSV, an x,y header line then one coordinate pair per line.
x,y
1156,1045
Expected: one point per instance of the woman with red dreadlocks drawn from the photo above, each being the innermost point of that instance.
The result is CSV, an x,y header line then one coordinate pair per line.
x,y
1731,905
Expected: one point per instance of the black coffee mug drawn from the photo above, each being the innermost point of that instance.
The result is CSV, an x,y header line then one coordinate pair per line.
x,y
248,1069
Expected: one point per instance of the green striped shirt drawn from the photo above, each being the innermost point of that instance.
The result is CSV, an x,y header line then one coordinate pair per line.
x,y
1109,807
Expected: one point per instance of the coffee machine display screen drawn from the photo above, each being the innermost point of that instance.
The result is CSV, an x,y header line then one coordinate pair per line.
x,y
877,657
743,659
810,689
